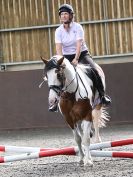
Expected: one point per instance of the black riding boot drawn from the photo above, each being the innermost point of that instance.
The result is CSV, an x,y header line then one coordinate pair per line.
x,y
97,81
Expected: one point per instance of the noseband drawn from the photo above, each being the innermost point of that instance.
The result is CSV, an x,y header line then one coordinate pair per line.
x,y
56,88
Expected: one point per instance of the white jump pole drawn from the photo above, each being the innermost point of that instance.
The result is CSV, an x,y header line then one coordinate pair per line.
x,y
96,146
22,149
64,151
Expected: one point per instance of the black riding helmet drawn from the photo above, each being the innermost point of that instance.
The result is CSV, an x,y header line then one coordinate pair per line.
x,y
66,8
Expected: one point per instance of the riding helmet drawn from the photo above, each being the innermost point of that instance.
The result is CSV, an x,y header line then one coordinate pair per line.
x,y
66,8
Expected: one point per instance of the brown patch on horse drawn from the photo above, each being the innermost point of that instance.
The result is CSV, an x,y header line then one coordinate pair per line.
x,y
73,110
82,110
66,103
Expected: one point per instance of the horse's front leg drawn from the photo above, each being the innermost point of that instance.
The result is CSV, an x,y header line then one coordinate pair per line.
x,y
86,126
77,137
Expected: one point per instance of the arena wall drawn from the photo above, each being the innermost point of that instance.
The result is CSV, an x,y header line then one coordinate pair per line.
x,y
24,105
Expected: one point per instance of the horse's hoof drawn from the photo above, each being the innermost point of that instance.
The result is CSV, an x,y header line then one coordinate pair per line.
x,y
88,163
81,163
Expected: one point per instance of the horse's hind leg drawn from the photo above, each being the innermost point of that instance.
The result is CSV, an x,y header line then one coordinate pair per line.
x,y
77,137
86,126
96,114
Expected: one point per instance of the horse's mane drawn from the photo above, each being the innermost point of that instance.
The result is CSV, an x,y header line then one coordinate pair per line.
x,y
83,67
87,69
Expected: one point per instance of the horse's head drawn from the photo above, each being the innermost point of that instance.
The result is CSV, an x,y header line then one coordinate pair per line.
x,y
53,70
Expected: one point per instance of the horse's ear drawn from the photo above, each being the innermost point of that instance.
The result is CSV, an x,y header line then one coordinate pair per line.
x,y
60,60
44,60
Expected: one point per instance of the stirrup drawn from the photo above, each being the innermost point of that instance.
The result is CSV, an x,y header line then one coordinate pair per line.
x,y
106,100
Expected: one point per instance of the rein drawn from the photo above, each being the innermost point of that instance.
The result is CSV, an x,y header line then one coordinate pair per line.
x,y
83,85
76,76
72,82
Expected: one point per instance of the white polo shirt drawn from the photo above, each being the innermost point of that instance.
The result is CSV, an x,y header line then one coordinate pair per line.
x,y
69,38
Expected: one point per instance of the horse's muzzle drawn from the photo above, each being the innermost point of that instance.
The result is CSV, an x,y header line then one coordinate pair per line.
x,y
54,107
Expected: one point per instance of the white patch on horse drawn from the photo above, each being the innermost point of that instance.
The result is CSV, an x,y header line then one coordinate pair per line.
x,y
86,126
84,90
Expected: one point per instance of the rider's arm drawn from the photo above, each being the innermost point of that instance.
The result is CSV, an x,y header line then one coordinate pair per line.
x,y
79,41
78,51
58,49
58,43
78,48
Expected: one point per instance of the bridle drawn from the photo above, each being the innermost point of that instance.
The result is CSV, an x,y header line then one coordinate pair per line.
x,y
61,77
56,88
62,88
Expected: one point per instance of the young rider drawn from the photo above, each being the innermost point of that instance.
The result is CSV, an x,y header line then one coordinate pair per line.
x,y
69,40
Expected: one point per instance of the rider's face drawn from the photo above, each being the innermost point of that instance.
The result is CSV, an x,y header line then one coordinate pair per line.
x,y
64,17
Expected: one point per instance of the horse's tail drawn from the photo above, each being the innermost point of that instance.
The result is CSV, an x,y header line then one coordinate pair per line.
x,y
103,118
100,117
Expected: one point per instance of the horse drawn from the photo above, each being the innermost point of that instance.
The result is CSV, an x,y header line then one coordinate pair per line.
x,y
72,89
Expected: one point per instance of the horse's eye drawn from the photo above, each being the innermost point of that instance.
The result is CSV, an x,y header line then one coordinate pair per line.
x,y
58,76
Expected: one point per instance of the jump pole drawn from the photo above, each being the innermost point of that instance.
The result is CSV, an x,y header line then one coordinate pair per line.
x,y
34,155
64,151
96,146
22,149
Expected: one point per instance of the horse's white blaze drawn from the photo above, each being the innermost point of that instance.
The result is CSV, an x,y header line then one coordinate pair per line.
x,y
52,78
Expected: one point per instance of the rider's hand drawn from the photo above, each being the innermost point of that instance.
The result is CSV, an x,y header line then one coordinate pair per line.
x,y
75,61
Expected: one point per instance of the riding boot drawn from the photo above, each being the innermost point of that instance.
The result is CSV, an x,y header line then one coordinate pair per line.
x,y
97,81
